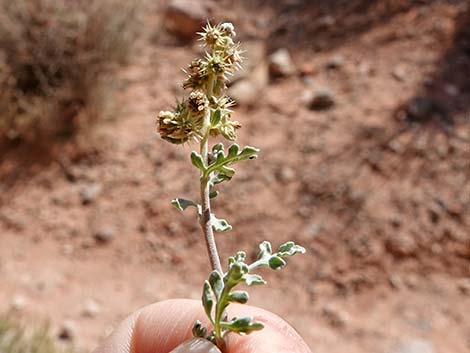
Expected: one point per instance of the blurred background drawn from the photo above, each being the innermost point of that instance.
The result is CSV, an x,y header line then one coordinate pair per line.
x,y
361,110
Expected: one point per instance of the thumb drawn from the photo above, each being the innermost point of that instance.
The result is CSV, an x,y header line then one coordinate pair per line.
x,y
161,327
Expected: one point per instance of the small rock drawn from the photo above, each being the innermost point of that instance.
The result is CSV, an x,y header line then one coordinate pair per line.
x,y
67,249
321,100
68,331
416,345
399,73
90,193
281,64
91,309
401,245
18,303
313,230
196,345
464,286
244,92
451,90
326,22
334,316
105,234
395,281
286,174
336,62
185,17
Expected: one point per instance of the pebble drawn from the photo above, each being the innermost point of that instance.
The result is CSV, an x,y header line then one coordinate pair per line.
x,y
416,345
336,62
68,331
91,309
463,286
185,17
399,73
90,193
18,302
105,234
335,316
322,99
286,174
281,64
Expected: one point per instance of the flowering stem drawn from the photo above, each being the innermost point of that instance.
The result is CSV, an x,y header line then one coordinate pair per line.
x,y
206,223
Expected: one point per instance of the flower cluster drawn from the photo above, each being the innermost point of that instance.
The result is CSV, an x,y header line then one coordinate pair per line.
x,y
206,110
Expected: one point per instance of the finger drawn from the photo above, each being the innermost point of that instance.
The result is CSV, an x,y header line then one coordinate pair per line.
x,y
161,327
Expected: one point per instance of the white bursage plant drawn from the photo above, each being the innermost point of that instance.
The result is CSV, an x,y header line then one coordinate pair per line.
x,y
205,113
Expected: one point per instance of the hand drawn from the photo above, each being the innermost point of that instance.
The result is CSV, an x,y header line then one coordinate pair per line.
x,y
161,327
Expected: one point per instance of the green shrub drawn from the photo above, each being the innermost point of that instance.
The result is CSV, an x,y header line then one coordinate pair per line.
x,y
57,61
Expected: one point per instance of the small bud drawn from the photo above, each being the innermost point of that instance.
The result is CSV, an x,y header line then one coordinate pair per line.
x,y
228,29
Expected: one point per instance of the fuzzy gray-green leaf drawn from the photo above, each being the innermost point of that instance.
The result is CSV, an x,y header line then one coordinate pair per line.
x,y
239,296
252,280
197,161
275,262
243,325
217,283
290,249
265,250
207,300
220,225
182,204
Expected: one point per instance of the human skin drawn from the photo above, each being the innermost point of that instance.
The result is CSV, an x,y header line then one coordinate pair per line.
x,y
161,327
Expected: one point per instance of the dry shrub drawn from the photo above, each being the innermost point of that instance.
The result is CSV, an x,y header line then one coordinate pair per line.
x,y
57,62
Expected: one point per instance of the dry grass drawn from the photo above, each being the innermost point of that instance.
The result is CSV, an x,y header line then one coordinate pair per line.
x,y
57,62
15,339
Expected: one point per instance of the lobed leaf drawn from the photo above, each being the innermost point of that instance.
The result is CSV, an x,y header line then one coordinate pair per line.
x,y
290,249
234,155
239,296
207,301
252,280
217,283
220,225
243,325
197,161
182,204
265,250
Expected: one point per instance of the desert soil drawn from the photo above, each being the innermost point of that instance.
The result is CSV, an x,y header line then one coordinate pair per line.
x,y
375,186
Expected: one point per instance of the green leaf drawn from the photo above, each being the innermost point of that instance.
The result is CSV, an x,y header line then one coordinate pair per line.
x,y
265,250
243,325
215,117
182,204
217,283
234,155
239,296
253,280
207,301
290,249
213,194
197,161
236,273
220,225
275,262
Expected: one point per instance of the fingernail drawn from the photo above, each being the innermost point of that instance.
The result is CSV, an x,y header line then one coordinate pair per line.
x,y
196,345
